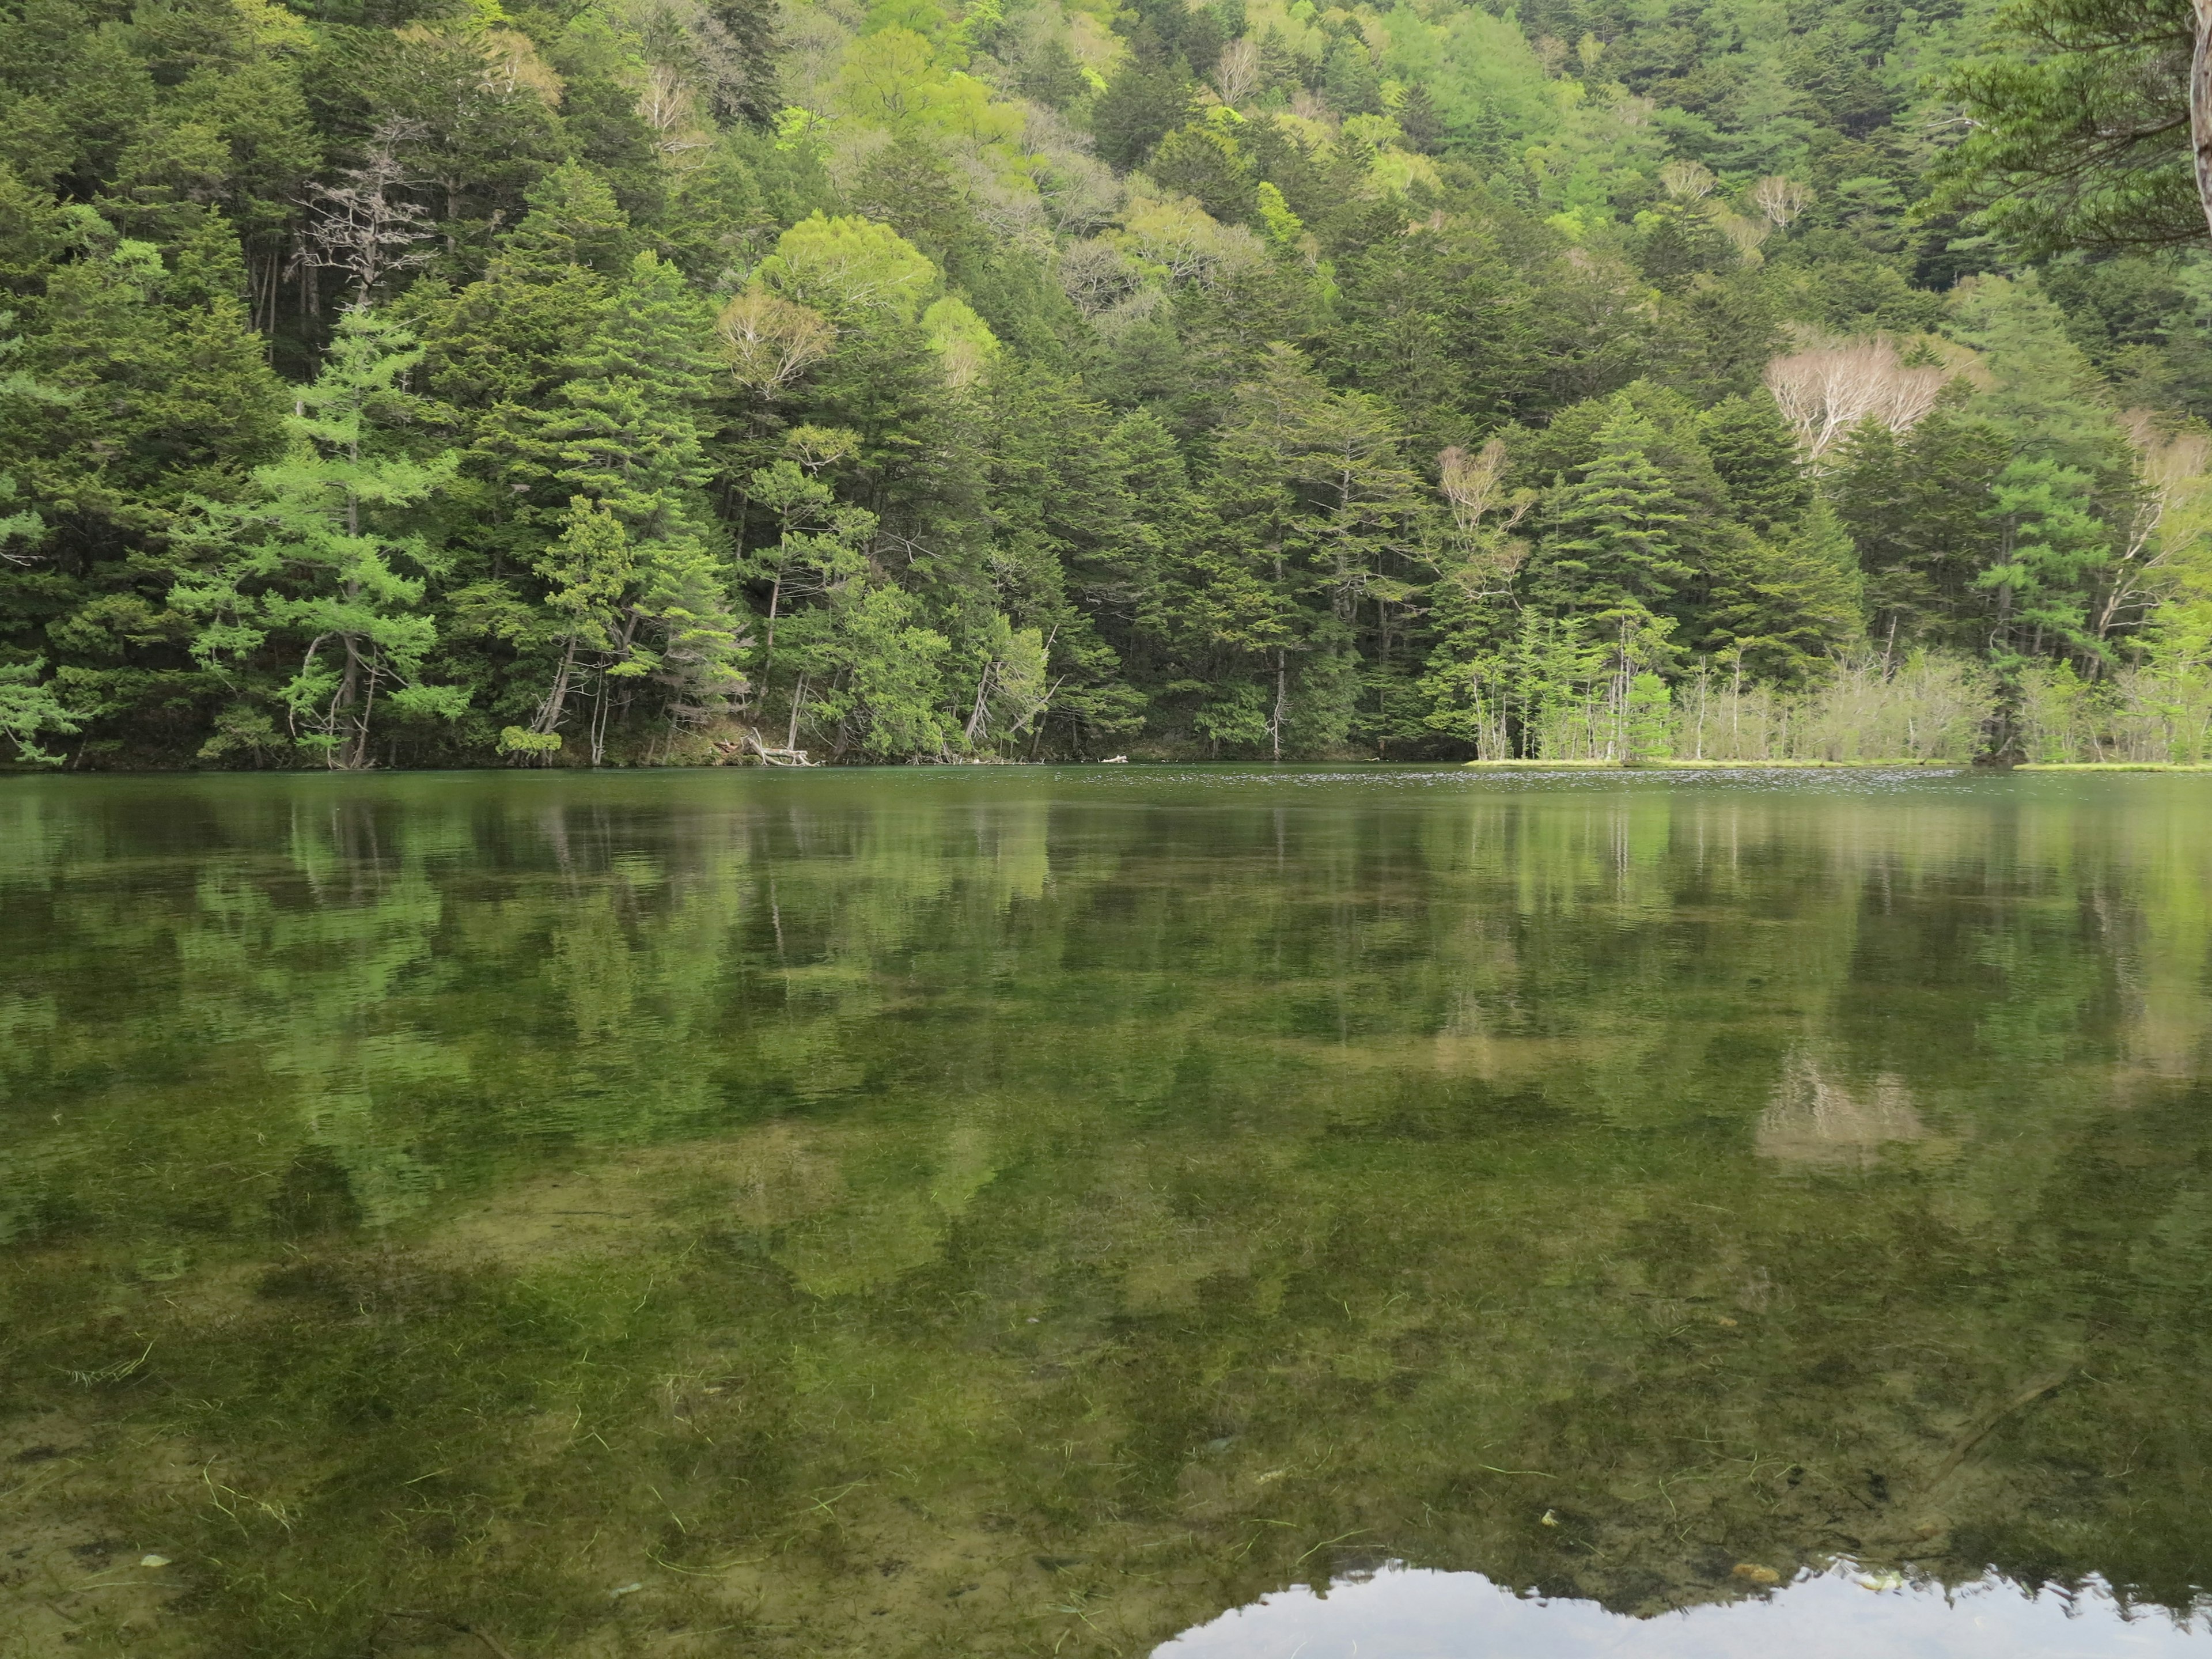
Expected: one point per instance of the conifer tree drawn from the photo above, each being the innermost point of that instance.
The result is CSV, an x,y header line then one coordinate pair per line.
x,y
623,435
1756,454
1613,544
588,573
2053,545
314,566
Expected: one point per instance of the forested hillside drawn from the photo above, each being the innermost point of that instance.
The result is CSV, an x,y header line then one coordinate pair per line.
x,y
659,381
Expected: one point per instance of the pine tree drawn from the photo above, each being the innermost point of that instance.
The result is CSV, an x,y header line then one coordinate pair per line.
x,y
1420,119
1143,100
1783,608
1350,82
1756,454
741,36
2054,545
624,434
313,563
1612,543
588,573
1202,161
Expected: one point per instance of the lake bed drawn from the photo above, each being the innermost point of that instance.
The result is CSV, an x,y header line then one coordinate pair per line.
x,y
1014,1211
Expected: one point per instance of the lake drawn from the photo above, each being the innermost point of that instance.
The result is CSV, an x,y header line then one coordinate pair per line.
x,y
1221,1212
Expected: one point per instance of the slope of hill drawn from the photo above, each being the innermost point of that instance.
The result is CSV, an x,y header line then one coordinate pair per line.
x,y
671,380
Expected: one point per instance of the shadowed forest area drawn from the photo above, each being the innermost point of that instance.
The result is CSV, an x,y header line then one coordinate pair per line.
x,y
411,383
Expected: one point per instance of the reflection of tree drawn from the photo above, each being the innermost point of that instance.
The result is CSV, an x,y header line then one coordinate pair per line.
x,y
1815,1119
1348,1150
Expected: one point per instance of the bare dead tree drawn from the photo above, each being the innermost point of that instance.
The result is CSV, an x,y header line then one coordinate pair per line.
x,y
1236,73
1097,275
1474,485
1782,200
2170,471
1488,553
1747,234
1687,181
669,105
366,225
1825,392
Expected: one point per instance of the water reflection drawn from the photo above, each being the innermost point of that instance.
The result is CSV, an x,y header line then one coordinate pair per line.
x,y
903,1213
1845,1612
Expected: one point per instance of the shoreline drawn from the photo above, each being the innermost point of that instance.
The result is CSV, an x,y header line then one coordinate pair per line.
x,y
1683,765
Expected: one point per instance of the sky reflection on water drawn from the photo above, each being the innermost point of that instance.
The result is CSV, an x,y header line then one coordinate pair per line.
x,y
1845,1612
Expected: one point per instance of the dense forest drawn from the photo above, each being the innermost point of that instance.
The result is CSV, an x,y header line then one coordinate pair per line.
x,y
422,382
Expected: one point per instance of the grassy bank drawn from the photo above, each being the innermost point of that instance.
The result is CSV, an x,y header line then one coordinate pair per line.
x,y
1671,764
1679,765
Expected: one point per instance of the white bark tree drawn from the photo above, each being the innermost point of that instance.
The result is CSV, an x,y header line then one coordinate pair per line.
x,y
1827,392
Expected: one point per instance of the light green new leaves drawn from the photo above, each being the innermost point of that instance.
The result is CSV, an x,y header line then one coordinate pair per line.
x,y
849,268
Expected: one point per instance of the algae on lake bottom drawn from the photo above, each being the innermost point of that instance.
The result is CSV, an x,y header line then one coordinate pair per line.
x,y
907,1213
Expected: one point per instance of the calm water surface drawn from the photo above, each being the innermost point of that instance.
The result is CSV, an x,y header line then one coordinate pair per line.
x,y
1226,1212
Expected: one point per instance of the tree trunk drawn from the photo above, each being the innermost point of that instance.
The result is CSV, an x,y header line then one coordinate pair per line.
x,y
1282,693
2200,107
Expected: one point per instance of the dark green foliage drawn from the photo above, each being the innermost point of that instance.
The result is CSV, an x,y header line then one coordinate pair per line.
x,y
1203,162
1351,83
1419,120
1143,100
740,48
1755,453
2080,134
1052,75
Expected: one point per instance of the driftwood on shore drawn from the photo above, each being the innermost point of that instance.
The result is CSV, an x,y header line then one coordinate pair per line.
x,y
749,750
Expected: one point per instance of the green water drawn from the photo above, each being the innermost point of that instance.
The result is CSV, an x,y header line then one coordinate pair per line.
x,y
1027,1211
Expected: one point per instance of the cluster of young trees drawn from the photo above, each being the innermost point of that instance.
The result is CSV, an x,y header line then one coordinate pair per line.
x,y
623,381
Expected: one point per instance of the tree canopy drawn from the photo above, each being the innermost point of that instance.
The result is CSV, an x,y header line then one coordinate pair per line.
x,y
426,382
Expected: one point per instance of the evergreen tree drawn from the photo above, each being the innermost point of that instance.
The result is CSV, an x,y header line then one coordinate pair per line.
x,y
313,563
624,435
2080,135
1420,119
1050,74
741,44
1202,161
1350,82
2052,547
589,574
1611,541
1143,100
1756,455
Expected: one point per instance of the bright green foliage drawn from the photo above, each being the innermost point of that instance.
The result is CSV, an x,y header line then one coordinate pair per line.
x,y
2042,393
626,437
1651,734
311,568
589,573
629,436
849,268
875,688
29,709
